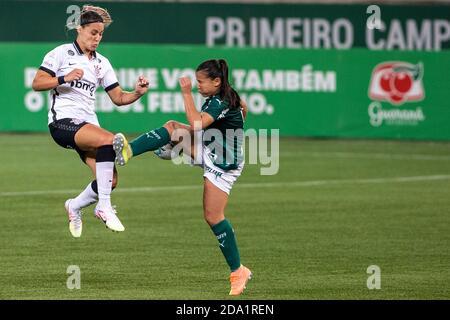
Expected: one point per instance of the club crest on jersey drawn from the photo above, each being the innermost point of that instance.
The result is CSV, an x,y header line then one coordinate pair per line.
x,y
70,53
97,71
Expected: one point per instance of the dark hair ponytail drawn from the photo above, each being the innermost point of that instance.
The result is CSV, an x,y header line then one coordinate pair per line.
x,y
219,69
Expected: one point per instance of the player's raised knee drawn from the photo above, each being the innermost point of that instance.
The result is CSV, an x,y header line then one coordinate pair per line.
x,y
170,125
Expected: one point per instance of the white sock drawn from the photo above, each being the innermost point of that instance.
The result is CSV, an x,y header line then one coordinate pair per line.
x,y
105,172
85,198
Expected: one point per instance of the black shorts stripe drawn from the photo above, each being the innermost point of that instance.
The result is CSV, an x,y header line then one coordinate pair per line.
x,y
53,108
116,84
56,93
50,72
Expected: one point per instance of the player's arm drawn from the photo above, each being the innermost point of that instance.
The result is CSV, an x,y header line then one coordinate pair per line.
x,y
244,108
45,81
121,98
197,120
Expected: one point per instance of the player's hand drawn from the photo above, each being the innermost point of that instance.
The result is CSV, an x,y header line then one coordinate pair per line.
x,y
75,74
185,84
141,85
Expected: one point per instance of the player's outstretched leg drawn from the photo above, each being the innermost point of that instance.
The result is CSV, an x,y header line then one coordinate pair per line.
x,y
149,141
157,139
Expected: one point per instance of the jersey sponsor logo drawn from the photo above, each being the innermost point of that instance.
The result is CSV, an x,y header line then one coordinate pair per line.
x,y
90,87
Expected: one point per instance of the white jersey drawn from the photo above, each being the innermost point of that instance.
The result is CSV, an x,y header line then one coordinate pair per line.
x,y
76,99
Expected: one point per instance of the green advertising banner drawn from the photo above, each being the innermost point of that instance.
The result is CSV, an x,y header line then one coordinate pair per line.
x,y
295,26
321,93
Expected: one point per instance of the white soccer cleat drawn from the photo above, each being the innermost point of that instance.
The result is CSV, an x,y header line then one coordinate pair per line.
x,y
166,152
109,217
75,223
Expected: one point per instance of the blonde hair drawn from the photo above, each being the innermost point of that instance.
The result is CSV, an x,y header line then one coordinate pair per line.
x,y
103,13
107,20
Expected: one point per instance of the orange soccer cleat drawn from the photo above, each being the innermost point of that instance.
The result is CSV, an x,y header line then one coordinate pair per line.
x,y
239,279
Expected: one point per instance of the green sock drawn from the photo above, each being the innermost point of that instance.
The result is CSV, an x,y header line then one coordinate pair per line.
x,y
227,242
150,141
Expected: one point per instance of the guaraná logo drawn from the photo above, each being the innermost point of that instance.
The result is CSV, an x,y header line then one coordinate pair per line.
x,y
397,82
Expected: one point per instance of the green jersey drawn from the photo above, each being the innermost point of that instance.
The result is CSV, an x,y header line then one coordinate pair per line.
x,y
225,135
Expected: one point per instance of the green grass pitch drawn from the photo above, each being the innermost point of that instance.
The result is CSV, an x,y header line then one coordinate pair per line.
x,y
310,232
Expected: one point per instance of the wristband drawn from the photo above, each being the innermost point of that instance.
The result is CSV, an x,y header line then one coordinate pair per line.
x,y
61,80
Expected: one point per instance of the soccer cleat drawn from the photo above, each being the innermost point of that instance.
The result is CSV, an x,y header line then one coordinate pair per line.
x,y
239,279
166,152
109,217
122,149
75,223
